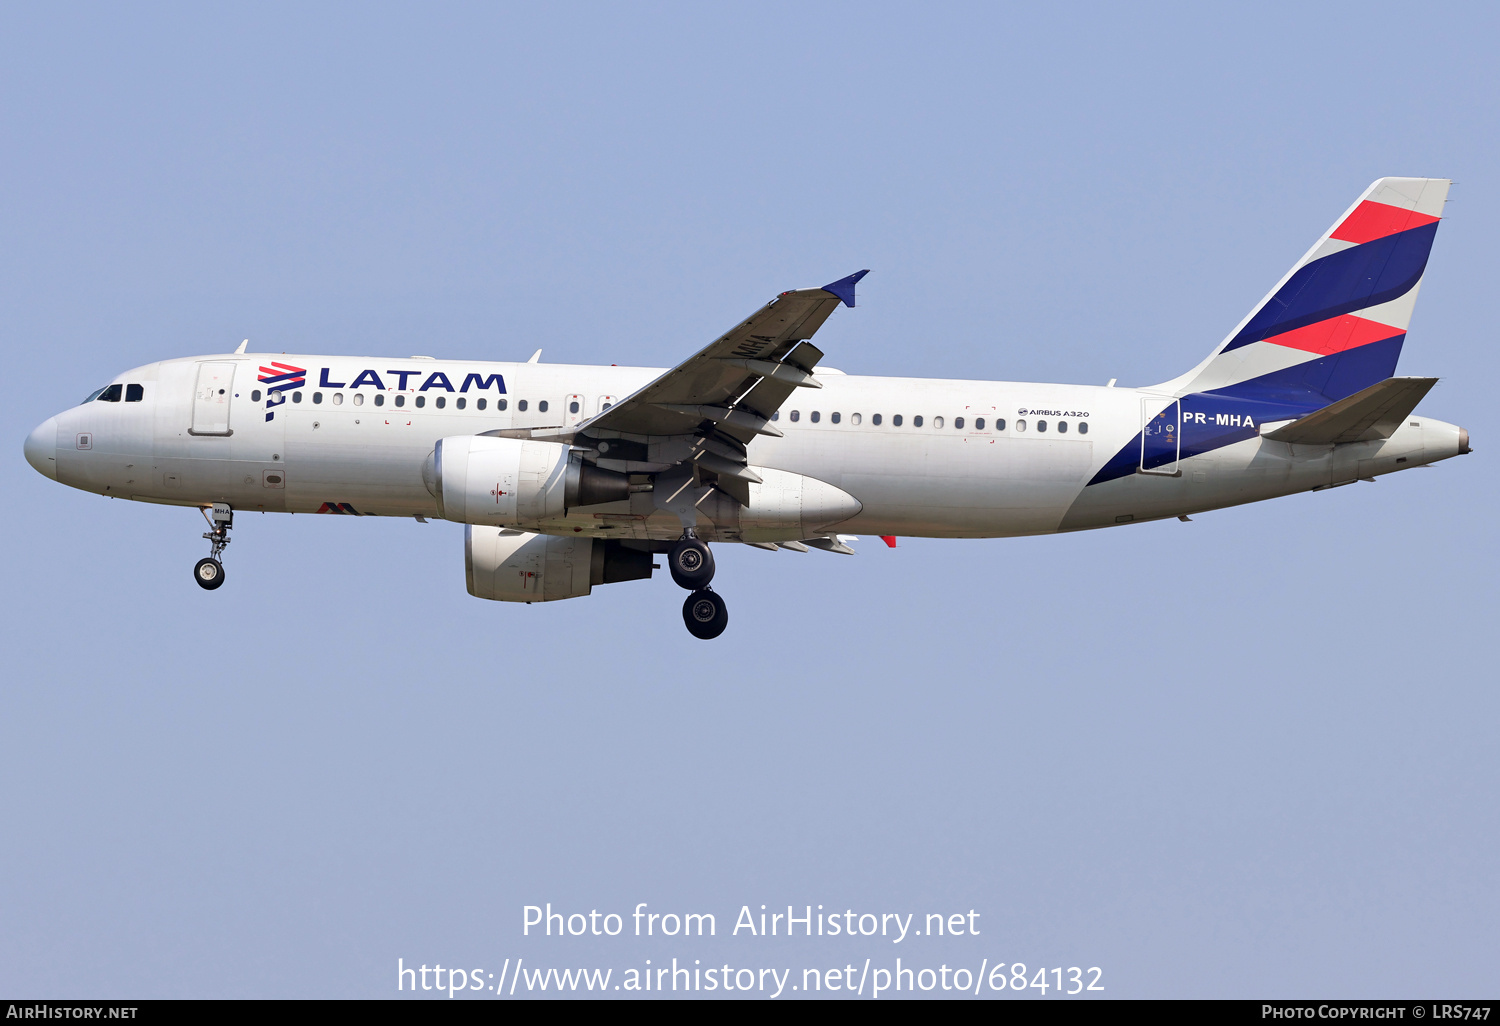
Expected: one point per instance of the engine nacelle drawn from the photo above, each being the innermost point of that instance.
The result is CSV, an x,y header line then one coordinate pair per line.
x,y
480,479
514,566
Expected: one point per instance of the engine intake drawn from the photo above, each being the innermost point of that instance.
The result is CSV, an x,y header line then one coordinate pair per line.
x,y
479,479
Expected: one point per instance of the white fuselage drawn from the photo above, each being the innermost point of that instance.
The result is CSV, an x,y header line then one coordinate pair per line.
x,y
894,444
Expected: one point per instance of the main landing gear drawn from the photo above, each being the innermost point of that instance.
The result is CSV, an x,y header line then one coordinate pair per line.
x,y
692,566
209,572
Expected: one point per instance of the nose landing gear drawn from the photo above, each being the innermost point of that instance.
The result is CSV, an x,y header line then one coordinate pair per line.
x,y
692,566
209,572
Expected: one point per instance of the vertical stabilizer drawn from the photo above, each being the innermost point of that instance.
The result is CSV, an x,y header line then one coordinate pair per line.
x,y
1335,324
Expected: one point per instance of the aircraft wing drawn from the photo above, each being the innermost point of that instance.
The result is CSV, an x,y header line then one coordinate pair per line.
x,y
733,385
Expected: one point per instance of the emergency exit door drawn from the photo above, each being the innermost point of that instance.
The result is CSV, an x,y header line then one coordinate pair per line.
x,y
211,396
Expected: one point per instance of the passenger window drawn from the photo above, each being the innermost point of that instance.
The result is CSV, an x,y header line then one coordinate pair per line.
x,y
1083,427
776,415
317,398
440,402
421,401
916,421
573,406
134,393
521,406
816,416
937,422
296,397
1020,426
379,399
359,398
978,423
112,394
896,420
834,417
875,420
855,418
999,424
958,423
541,407
1041,425
480,404
461,402
400,400
338,398
795,415
1062,427
255,396
500,404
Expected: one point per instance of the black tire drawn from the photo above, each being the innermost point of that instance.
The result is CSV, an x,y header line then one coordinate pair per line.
x,y
209,573
705,614
692,564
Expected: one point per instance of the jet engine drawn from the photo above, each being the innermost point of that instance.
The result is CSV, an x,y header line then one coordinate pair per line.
x,y
480,479
514,566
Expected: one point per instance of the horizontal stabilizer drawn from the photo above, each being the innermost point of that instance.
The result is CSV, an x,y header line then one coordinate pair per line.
x,y
1374,412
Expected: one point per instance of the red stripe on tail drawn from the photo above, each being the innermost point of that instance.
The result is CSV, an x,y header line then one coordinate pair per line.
x,y
1371,221
1335,335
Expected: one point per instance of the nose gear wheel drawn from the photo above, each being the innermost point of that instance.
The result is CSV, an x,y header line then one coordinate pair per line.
x,y
209,573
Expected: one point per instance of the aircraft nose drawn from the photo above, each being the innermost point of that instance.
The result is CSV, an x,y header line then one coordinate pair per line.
x,y
41,448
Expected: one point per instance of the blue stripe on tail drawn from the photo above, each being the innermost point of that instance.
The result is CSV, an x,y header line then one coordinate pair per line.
x,y
1376,272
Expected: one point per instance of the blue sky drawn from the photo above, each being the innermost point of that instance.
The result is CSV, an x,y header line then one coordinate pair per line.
x,y
1251,755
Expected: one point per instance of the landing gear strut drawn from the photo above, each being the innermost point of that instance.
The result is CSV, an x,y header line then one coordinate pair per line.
x,y
209,573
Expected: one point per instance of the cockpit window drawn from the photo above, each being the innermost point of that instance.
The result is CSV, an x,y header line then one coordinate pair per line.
x,y
134,393
96,393
111,394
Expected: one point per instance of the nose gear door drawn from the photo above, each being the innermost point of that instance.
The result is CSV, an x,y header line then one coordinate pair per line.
x,y
211,397
1161,441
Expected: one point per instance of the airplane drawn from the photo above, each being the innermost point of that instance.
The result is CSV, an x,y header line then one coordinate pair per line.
x,y
568,477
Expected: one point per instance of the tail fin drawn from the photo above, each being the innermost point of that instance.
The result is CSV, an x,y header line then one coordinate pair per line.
x,y
1334,325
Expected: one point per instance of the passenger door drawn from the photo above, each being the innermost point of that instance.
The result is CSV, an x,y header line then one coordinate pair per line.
x,y
211,396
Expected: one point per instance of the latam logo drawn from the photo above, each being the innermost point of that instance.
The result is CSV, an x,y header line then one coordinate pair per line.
x,y
437,379
280,378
